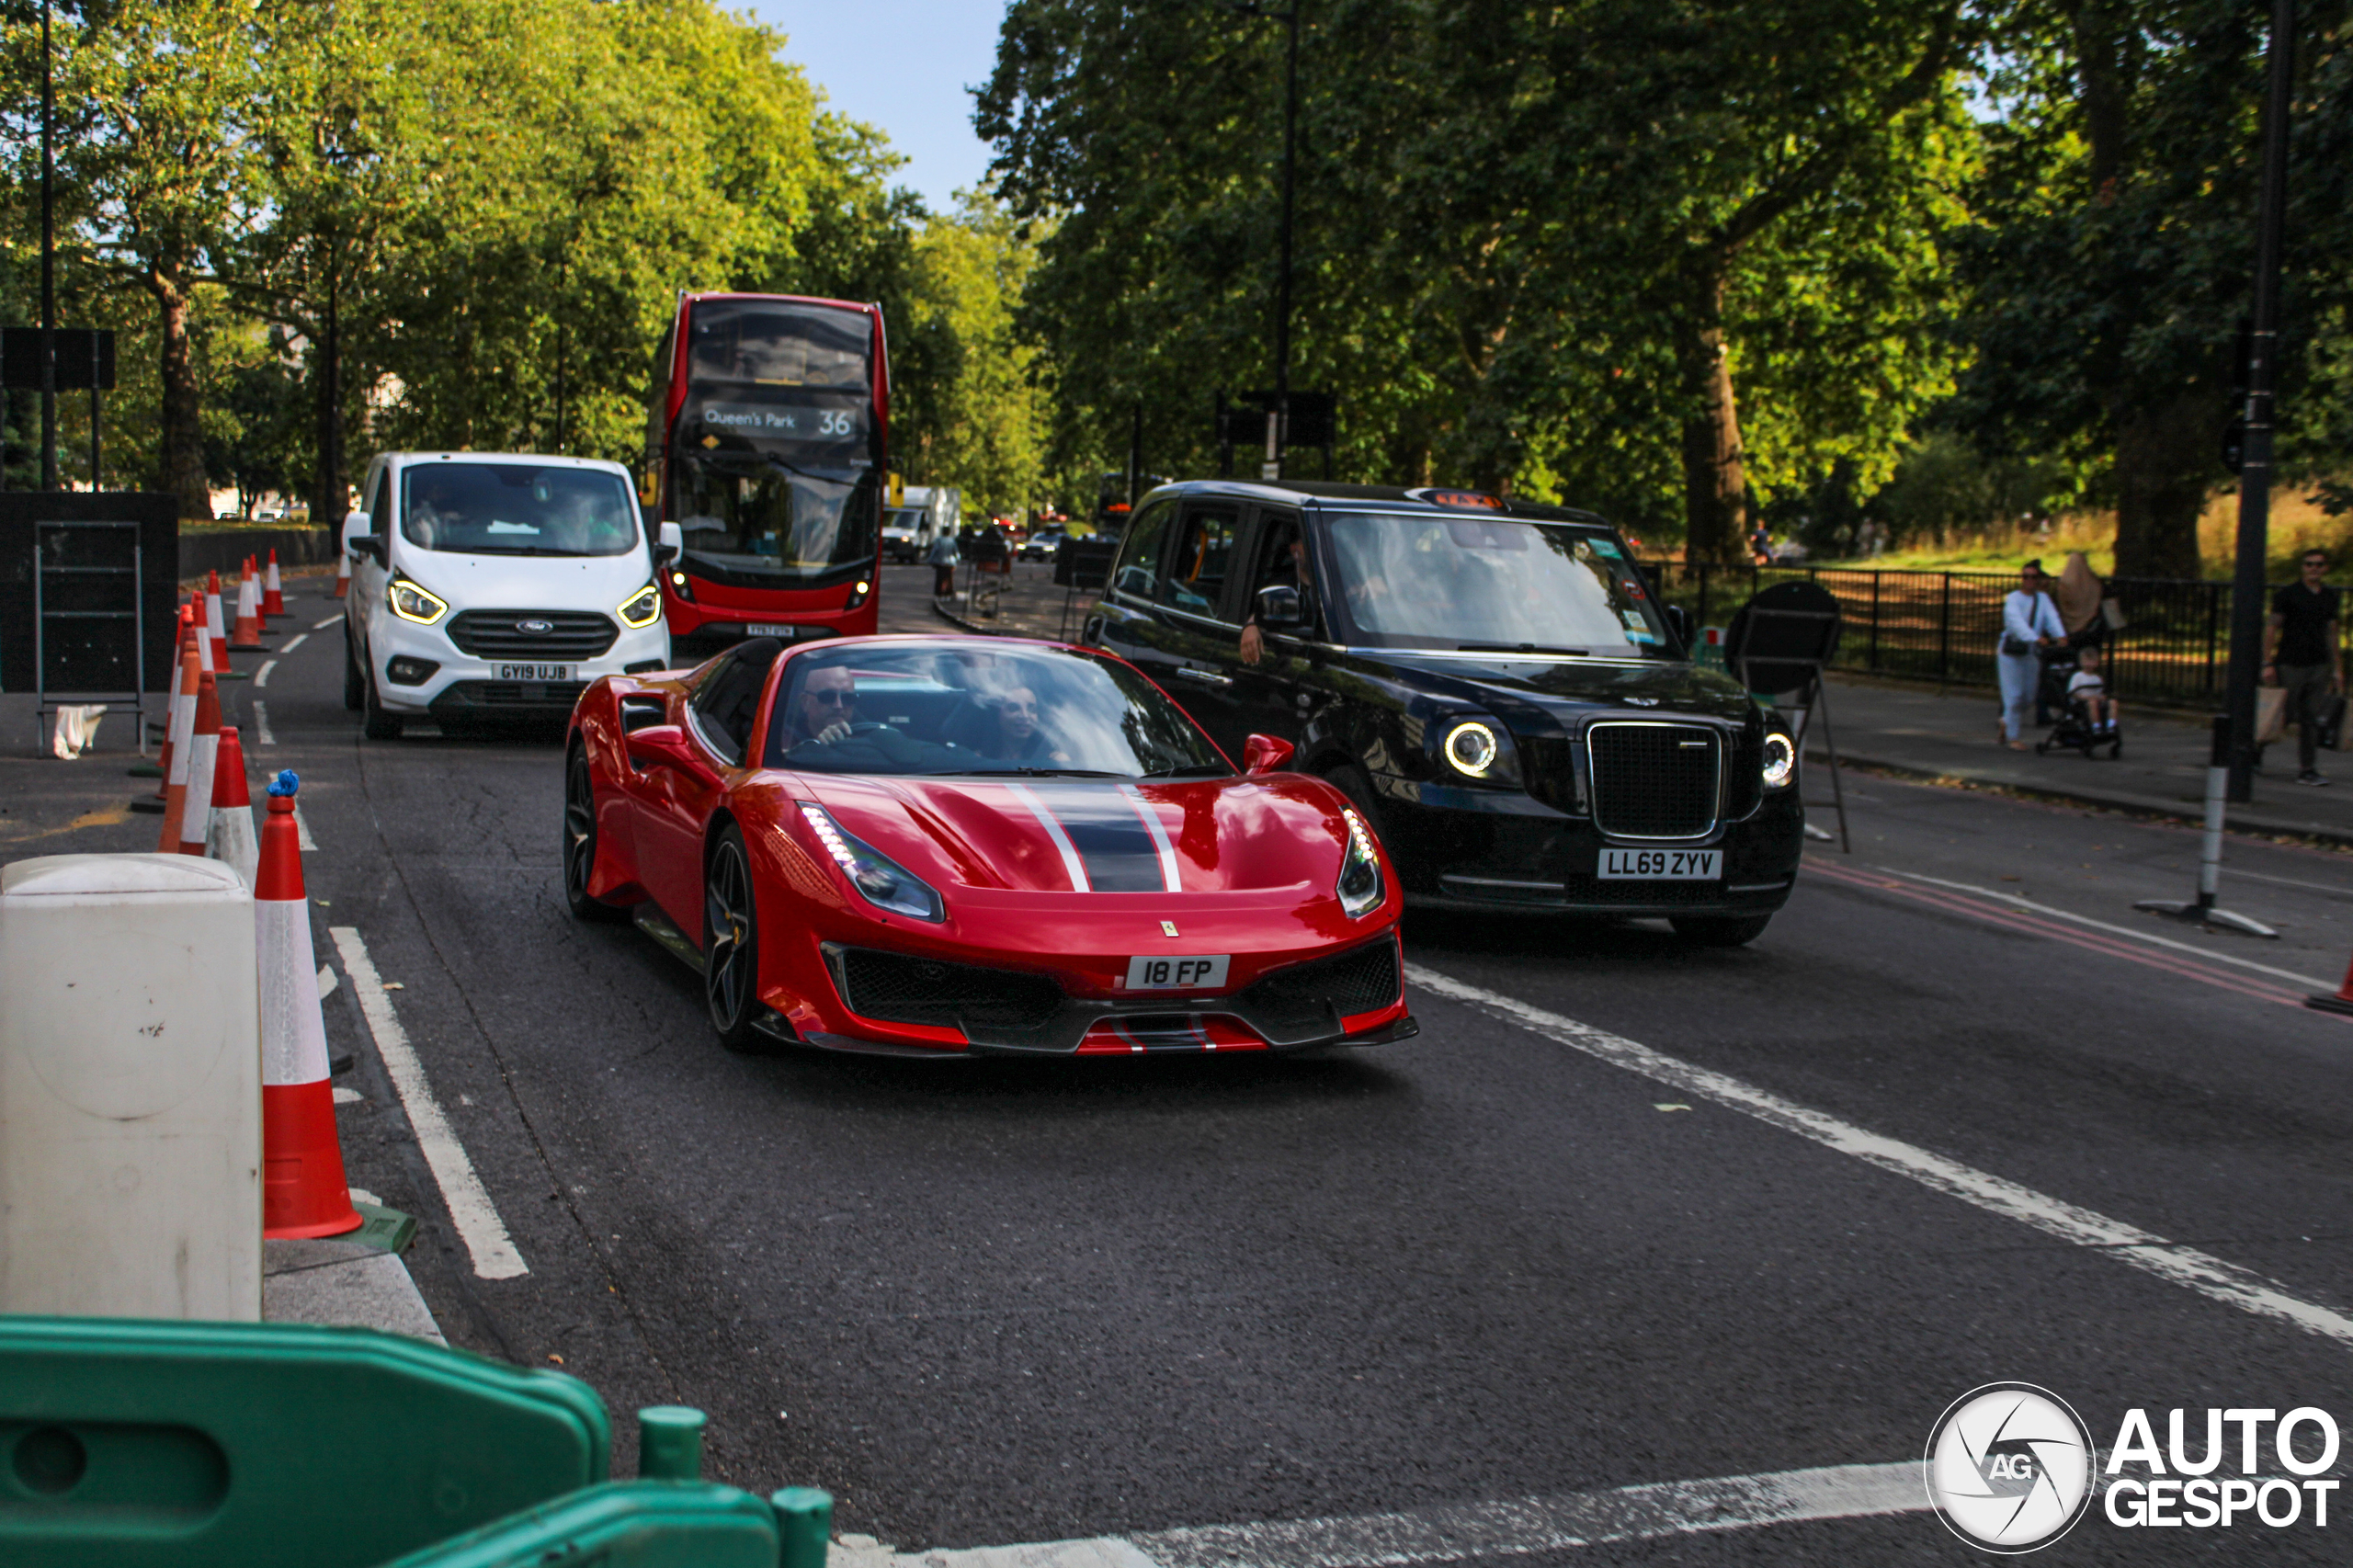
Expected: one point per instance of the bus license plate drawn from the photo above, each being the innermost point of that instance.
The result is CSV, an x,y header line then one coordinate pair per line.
x,y
1196,971
1662,865
534,672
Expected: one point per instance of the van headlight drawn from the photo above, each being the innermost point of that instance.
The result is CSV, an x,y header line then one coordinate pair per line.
x,y
410,602
880,880
642,609
1359,886
1780,760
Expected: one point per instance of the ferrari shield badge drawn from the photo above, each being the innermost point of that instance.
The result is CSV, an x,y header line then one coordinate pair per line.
x,y
1168,927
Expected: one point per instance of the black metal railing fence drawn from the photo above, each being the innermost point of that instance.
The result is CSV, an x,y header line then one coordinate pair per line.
x,y
2171,649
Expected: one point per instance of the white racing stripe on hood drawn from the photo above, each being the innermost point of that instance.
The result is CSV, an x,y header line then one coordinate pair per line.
x,y
1159,836
1071,862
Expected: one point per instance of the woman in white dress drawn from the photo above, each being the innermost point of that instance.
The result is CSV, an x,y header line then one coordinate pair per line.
x,y
2030,624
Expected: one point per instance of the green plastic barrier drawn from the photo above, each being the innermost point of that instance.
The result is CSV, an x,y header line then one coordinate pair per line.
x,y
624,1524
131,1444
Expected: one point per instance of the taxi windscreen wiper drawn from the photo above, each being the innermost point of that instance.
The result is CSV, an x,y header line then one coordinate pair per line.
x,y
1519,648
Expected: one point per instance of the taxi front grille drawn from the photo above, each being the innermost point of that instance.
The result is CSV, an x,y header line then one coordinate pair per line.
x,y
1655,778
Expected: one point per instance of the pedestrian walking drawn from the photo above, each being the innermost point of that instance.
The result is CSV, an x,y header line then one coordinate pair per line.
x,y
2079,593
2302,655
2030,624
941,559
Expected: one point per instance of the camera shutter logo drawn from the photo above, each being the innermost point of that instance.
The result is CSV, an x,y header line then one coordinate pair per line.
x,y
2009,1468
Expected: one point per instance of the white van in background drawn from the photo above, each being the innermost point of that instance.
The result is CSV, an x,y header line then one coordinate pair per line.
x,y
925,512
496,583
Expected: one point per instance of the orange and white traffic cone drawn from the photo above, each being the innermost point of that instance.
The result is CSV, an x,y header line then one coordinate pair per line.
x,y
230,838
273,601
342,574
185,645
203,636
183,741
248,630
203,752
216,624
303,1190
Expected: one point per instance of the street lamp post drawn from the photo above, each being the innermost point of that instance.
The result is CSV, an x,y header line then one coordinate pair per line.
x,y
1279,415
2248,607
48,267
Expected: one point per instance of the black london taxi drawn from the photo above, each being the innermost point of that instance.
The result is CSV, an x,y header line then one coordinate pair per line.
x,y
1493,682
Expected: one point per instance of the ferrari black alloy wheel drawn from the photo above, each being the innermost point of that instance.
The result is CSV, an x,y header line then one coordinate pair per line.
x,y
580,841
731,946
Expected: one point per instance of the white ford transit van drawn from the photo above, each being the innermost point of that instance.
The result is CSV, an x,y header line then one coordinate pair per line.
x,y
488,584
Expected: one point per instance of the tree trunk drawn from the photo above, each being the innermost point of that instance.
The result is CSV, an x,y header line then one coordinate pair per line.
x,y
180,431
330,498
1715,475
2165,470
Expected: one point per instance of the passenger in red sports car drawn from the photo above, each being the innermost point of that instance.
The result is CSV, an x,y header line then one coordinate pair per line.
x,y
823,709
1018,736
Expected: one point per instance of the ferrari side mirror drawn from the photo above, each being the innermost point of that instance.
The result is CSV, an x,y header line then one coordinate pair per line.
x,y
657,745
1265,754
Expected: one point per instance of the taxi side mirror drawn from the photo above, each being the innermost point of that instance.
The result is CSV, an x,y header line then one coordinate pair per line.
x,y
1279,610
1679,621
1265,754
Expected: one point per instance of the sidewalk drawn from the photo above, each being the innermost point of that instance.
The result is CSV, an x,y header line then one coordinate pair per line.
x,y
2163,771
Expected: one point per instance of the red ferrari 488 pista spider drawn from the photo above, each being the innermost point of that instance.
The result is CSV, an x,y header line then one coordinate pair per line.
x,y
927,845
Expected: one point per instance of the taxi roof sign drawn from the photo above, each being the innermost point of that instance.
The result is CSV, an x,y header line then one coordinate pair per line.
x,y
1476,500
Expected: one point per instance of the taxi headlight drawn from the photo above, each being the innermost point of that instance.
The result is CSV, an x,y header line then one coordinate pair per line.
x,y
642,609
1780,760
413,603
880,880
1473,749
1359,886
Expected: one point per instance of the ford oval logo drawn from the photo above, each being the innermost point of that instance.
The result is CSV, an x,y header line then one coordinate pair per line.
x,y
535,628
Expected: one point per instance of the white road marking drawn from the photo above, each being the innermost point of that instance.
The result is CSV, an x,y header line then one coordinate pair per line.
x,y
2186,1267
346,1096
471,1208
330,621
261,676
1447,1534
295,642
302,839
261,723
362,1195
327,982
2208,954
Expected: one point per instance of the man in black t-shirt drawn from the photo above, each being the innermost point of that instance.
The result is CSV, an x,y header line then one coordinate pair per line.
x,y
2301,653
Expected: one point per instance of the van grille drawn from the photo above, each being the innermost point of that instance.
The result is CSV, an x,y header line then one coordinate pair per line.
x,y
571,634
1654,781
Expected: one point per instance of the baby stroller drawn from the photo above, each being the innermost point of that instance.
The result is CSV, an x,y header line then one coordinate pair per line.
x,y
2076,732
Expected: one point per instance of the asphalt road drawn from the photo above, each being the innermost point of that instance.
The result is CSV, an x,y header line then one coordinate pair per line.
x,y
988,1303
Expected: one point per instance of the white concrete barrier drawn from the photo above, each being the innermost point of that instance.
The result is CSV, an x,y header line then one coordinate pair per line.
x,y
129,1089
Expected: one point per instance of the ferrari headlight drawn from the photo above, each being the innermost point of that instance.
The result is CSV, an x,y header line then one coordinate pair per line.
x,y
880,880
413,603
1780,760
1359,886
642,609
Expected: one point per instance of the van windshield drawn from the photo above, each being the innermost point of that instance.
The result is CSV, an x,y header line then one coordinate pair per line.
x,y
517,509
1492,585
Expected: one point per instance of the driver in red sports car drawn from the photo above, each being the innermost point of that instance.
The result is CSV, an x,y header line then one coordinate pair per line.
x,y
822,713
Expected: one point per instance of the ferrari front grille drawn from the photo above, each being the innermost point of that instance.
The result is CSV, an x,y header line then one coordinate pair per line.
x,y
896,988
1363,980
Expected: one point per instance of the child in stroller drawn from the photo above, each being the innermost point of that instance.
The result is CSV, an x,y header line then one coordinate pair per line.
x,y
2089,721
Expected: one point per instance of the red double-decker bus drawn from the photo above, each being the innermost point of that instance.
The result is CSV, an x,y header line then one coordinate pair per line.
x,y
766,434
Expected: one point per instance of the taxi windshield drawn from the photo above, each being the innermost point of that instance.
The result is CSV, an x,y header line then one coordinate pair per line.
x,y
953,707
1491,585
517,509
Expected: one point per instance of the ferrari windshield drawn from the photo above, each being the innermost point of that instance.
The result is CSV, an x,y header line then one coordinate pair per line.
x,y
956,707
1492,585
517,509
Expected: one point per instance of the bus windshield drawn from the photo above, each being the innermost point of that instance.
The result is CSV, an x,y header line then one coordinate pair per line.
x,y
773,473
517,509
